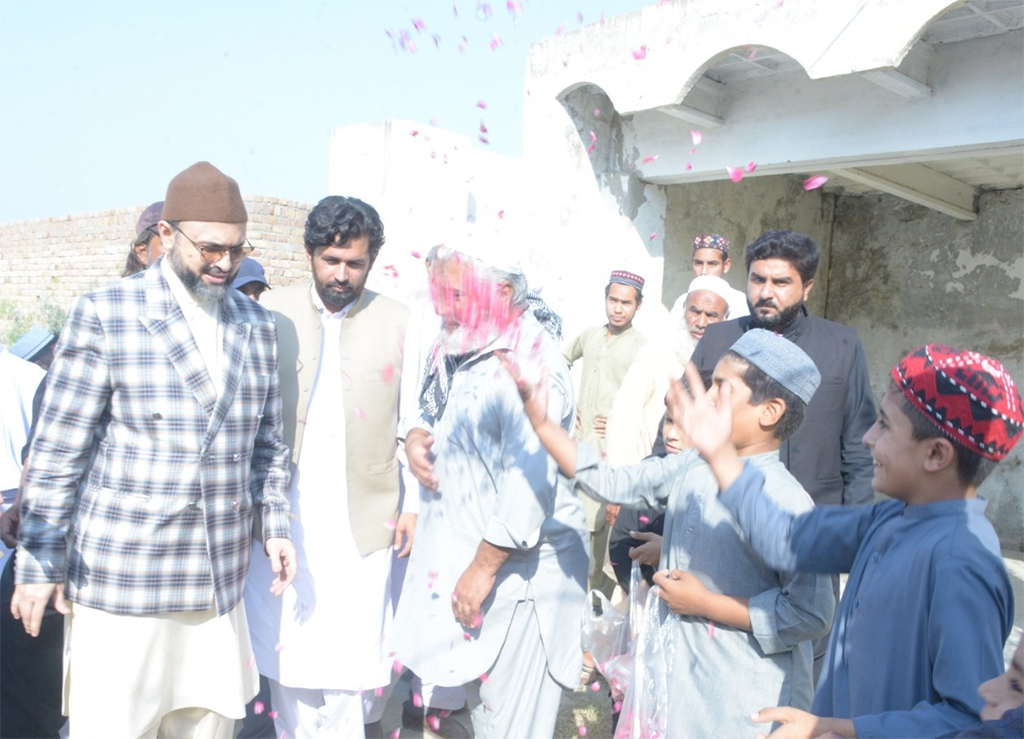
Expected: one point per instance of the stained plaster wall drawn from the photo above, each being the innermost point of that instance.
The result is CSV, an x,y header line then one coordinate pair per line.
x,y
741,212
903,276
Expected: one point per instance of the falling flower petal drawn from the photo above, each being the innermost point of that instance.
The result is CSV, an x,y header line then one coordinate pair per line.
x,y
496,42
478,620
397,667
688,166
434,722
481,104
644,519
483,128
258,707
590,149
813,183
653,236
583,731
395,733
483,678
414,133
697,137
483,139
735,173
751,166
466,637
513,7
417,23
436,39
390,524
617,707
484,11
593,137
648,160
415,254
597,112
361,413
272,714
378,692
579,17
711,629
595,686
640,53
501,214
417,700
752,54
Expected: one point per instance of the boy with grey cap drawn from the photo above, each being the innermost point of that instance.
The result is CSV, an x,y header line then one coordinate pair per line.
x,y
734,630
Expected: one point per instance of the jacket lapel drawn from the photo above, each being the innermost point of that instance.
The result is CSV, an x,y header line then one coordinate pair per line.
x,y
166,323
236,350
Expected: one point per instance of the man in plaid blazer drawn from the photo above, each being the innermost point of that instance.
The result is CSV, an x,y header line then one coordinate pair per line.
x,y
160,440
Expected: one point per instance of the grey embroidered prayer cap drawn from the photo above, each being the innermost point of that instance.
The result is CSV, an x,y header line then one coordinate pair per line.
x,y
781,360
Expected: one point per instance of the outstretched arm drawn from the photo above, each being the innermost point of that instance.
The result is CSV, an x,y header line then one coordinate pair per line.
x,y
707,424
535,400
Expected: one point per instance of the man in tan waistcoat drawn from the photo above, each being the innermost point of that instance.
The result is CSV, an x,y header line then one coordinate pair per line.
x,y
324,646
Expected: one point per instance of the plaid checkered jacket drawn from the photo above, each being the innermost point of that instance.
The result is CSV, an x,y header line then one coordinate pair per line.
x,y
142,483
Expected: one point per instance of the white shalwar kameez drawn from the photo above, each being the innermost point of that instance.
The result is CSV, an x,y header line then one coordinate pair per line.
x,y
329,631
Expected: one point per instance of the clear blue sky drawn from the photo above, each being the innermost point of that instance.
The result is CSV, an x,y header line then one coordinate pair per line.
x,y
102,102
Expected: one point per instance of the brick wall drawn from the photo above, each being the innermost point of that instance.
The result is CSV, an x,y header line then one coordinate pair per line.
x,y
46,263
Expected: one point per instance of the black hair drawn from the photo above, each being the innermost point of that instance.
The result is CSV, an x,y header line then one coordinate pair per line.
x,y
338,220
971,467
763,388
795,248
639,292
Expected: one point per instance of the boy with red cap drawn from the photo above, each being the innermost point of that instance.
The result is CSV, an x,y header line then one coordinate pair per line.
x,y
928,603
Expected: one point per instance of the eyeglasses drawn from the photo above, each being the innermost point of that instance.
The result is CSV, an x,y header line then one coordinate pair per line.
x,y
214,254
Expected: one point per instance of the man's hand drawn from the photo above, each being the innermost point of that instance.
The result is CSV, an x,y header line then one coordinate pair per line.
x,y
10,521
534,397
470,592
283,561
405,530
29,600
682,592
797,724
648,553
611,512
600,424
421,460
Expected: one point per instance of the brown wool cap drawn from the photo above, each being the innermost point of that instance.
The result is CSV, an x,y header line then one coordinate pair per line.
x,y
204,193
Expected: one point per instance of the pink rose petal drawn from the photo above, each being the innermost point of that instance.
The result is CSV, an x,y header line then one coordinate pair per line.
x,y
483,139
414,133
272,715
595,686
415,254
593,136
390,525
813,183
483,678
417,700
478,621
653,236
644,519
501,214
640,53
688,166
752,54
395,733
361,413
434,722
481,104
388,373
617,707
496,42
735,173
513,7
583,731
751,166
697,137
648,160
397,667
378,692
597,112
258,707
418,24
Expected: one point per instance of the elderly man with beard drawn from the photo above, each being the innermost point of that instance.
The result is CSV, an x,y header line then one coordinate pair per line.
x,y
825,454
159,441
496,582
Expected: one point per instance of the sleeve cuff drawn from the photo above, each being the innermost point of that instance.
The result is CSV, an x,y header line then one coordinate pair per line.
x,y
275,524
499,534
761,609
38,570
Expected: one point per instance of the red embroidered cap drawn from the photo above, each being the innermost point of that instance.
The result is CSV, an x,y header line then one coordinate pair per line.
x,y
970,397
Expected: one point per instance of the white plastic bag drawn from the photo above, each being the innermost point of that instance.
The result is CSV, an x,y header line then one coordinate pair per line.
x,y
644,713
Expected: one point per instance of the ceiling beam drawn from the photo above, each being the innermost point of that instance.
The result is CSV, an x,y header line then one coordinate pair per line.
x,y
910,79
919,184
